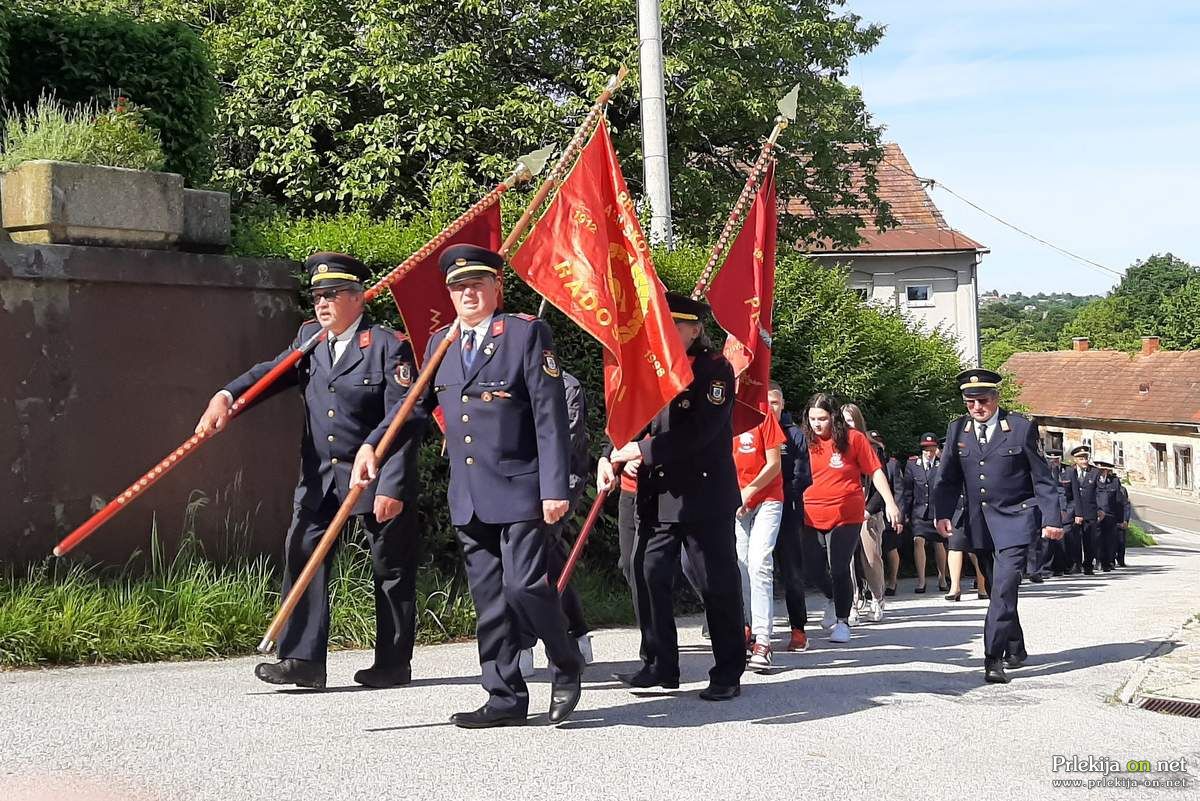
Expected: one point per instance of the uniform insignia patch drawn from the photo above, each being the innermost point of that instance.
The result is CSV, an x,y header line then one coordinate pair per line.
x,y
322,268
550,364
716,392
486,397
489,349
404,375
1004,426
364,339
501,394
685,404
497,327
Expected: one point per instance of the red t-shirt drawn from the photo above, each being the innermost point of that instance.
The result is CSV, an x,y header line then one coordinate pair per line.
x,y
836,495
750,457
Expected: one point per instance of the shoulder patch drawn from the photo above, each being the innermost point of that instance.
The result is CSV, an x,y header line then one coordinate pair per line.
x,y
550,364
404,374
400,336
526,317
717,392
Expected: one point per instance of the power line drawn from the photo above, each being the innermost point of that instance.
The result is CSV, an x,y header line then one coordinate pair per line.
x,y
930,182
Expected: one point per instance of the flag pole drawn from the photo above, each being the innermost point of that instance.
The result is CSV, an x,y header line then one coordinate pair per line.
x,y
527,167
300,585
787,114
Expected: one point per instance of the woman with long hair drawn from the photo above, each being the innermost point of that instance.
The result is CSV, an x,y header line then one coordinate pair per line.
x,y
835,505
871,535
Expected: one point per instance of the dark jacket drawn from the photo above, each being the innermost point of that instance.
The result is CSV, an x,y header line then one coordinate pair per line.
x,y
794,461
1083,491
1066,504
506,423
1112,498
342,405
577,423
1006,482
918,489
687,472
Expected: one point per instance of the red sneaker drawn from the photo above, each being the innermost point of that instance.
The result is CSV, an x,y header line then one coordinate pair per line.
x,y
799,641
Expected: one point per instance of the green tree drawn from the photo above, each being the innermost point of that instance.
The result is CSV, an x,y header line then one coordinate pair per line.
x,y
1181,317
366,105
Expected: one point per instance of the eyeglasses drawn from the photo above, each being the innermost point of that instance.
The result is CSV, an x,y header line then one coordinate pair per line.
x,y
327,295
977,401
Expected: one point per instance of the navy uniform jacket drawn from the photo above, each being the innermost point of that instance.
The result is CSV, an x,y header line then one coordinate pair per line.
x,y
577,423
1006,483
1112,498
1083,493
794,461
918,489
342,405
687,473
506,423
1066,505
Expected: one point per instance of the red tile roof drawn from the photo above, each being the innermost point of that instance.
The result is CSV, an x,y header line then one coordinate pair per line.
x,y
1162,387
921,224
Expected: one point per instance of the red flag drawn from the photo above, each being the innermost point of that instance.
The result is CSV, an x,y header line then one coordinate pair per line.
x,y
741,297
421,295
588,257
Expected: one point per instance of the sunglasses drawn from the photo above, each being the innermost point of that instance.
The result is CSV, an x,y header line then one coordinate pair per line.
x,y
328,294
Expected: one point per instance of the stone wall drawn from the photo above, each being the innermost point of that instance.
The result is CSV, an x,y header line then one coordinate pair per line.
x,y
108,357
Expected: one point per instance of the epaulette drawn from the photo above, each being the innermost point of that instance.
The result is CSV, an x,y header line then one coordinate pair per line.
x,y
529,318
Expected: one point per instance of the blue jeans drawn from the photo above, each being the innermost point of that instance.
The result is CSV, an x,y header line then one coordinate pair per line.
x,y
756,535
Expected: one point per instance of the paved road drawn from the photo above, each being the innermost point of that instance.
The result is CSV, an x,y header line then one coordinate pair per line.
x,y
1160,509
898,713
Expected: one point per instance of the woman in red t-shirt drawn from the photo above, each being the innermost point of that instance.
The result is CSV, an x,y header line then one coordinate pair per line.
x,y
834,506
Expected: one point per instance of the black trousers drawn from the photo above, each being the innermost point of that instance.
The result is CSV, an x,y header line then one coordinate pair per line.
x,y
1036,554
1054,553
1122,533
712,556
558,550
1002,633
1107,541
395,549
627,526
789,556
829,564
1089,540
510,584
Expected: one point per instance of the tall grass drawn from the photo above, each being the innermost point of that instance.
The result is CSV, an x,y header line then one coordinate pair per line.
x,y
1138,537
82,133
187,606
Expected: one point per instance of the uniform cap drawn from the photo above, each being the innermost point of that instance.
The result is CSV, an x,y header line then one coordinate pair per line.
x,y
328,269
928,439
1103,465
977,381
1082,450
460,262
684,308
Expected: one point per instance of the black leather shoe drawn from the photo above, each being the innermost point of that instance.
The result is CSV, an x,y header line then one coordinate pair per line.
x,y
993,672
943,586
1075,570
919,590
1014,662
889,592
1037,578
953,596
646,678
383,677
983,596
1088,570
300,672
1106,567
487,718
564,697
1058,574
1120,563
721,692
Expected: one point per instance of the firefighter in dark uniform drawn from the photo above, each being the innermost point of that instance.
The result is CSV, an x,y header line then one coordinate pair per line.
x,y
1054,556
1087,514
916,503
347,383
501,392
993,457
687,496
1112,502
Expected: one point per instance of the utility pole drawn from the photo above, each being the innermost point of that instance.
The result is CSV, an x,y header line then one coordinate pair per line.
x,y
656,171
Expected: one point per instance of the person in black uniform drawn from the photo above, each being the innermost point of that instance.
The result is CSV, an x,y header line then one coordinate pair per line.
x,y
797,476
347,383
1054,558
1087,513
1111,503
895,469
993,459
501,391
919,479
687,496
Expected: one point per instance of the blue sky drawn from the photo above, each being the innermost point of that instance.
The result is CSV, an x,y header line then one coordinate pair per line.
x,y
1076,120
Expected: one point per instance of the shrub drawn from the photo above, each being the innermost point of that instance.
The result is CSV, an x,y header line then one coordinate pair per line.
x,y
118,137
1138,537
161,67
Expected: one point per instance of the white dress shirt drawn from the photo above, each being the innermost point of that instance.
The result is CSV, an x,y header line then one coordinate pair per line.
x,y
480,330
988,427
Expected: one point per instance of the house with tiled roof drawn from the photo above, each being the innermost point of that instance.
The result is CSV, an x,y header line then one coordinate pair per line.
x,y
923,266
1140,411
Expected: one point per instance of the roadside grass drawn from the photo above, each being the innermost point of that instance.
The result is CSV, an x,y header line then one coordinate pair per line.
x,y
1138,537
187,606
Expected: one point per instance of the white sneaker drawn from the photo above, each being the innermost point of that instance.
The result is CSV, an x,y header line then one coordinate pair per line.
x,y
840,633
525,660
853,619
876,610
830,617
585,648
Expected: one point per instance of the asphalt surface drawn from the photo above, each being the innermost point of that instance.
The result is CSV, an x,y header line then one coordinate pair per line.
x,y
900,712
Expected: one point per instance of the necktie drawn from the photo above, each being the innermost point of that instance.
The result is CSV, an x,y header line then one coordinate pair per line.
x,y
983,433
468,350
332,351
